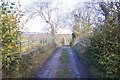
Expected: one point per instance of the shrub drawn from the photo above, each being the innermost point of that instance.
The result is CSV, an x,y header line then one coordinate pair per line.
x,y
103,53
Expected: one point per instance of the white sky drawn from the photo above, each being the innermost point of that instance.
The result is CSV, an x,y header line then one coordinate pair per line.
x,y
34,25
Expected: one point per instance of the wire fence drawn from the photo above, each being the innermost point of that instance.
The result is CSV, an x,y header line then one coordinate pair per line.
x,y
31,40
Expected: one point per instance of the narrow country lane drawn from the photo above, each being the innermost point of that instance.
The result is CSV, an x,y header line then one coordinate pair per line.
x,y
49,69
75,66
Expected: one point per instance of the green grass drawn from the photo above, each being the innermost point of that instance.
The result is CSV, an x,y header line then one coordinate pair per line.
x,y
64,55
63,70
62,73
28,64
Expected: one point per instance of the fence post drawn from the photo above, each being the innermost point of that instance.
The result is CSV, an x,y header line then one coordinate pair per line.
x,y
34,40
39,40
20,46
28,41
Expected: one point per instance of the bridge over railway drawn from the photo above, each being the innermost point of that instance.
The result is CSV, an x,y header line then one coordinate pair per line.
x,y
90,49
37,57
63,65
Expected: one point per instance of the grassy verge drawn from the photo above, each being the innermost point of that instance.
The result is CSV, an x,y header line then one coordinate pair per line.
x,y
38,59
27,64
63,70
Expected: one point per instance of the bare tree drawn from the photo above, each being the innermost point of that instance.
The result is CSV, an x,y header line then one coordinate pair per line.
x,y
81,19
50,12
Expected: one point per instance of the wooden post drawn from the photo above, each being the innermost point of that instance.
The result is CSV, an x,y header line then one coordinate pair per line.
x,y
28,41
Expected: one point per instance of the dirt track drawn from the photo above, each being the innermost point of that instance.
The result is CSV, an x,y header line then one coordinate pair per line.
x,y
74,63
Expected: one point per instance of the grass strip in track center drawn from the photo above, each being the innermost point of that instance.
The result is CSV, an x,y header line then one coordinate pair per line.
x,y
63,70
64,55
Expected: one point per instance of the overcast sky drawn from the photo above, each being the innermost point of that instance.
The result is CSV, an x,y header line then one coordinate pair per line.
x,y
35,25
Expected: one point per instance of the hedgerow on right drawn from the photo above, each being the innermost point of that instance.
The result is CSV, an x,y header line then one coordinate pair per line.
x,y
102,56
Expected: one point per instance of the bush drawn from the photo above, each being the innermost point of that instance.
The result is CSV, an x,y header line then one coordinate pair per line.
x,y
9,28
103,54
23,66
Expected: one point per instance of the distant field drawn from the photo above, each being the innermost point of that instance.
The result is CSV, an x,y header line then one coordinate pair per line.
x,y
31,40
59,37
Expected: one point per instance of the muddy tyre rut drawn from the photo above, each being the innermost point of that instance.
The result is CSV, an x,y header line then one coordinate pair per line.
x,y
63,64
